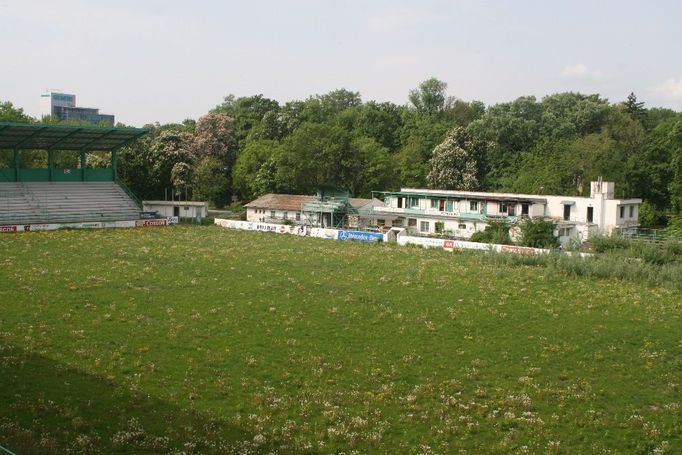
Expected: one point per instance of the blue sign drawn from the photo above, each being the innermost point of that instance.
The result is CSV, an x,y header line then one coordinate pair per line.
x,y
361,236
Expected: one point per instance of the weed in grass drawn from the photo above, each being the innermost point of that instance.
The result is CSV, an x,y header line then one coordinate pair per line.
x,y
196,339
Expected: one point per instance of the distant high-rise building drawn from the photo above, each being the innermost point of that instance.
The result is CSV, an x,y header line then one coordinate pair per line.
x,y
63,106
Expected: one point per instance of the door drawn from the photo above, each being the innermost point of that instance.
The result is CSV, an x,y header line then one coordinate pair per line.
x,y
176,211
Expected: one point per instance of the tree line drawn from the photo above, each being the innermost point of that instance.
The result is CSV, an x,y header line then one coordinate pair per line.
x,y
248,146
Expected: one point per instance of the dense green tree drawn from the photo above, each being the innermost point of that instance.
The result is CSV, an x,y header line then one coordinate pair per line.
x,y
657,115
247,112
381,122
633,107
430,98
135,168
375,168
566,115
314,155
9,113
252,175
675,146
210,181
462,113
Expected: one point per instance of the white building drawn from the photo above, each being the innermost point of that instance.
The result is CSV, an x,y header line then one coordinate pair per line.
x,y
462,213
182,209
63,106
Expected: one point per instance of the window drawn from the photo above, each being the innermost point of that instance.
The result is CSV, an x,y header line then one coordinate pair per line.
x,y
449,206
434,203
398,222
298,216
440,227
424,226
473,206
590,214
524,209
462,226
632,211
286,214
503,207
400,202
567,212
412,201
381,222
622,211
412,222
272,213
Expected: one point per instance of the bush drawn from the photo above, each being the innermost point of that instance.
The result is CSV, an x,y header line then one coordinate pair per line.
x,y
602,243
538,234
496,232
650,216
674,228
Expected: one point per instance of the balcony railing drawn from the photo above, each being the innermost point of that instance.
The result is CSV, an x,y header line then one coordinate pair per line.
x,y
444,214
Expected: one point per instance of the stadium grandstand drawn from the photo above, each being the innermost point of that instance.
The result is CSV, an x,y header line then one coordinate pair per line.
x,y
51,189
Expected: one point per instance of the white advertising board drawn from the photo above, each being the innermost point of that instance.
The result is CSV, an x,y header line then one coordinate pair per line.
x,y
88,225
263,227
323,233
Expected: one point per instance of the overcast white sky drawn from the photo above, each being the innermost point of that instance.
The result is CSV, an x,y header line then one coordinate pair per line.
x,y
167,60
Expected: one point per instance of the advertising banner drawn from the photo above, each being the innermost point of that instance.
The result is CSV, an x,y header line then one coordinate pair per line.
x,y
331,234
518,249
87,225
423,241
263,227
361,236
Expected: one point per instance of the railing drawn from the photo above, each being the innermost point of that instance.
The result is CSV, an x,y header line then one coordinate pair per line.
x,y
443,214
132,196
645,234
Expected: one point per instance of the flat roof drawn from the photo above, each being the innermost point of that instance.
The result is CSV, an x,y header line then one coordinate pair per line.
x,y
41,136
294,202
176,203
469,195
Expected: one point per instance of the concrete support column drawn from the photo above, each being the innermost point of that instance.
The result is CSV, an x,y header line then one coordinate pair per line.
x,y
83,165
114,163
50,164
17,164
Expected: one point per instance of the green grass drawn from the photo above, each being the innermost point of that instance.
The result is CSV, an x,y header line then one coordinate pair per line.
x,y
198,339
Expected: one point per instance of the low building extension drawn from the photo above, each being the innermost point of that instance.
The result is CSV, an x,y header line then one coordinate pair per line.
x,y
462,213
323,210
195,210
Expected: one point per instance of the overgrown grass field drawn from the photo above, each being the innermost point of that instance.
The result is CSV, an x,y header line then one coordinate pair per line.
x,y
204,340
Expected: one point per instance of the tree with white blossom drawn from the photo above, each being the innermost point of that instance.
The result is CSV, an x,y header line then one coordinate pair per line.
x,y
452,164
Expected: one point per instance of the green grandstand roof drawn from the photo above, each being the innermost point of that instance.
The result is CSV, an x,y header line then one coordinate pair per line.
x,y
40,136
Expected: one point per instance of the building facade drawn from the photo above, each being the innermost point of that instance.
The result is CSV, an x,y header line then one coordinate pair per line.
x,y
462,213
315,211
182,209
63,106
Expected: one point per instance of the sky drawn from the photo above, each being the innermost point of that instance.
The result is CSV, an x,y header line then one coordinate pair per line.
x,y
165,61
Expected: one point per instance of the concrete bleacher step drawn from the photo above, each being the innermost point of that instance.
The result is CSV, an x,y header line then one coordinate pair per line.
x,y
54,202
